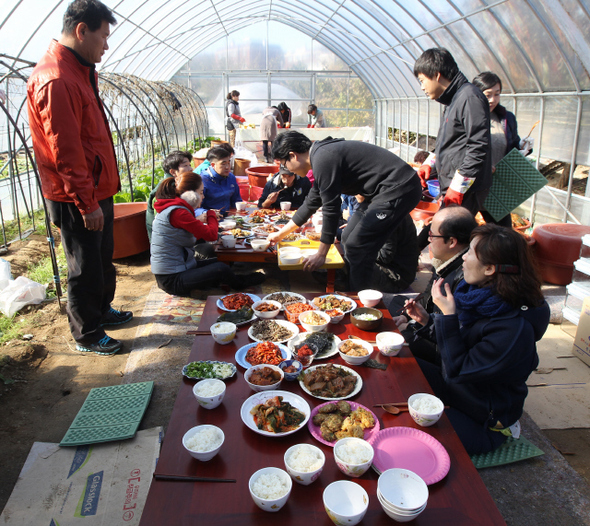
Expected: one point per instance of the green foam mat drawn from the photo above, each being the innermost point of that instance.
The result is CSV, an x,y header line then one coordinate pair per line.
x,y
513,182
109,413
513,450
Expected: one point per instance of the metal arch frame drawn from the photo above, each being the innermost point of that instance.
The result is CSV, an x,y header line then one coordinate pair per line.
x,y
193,97
127,80
120,88
132,80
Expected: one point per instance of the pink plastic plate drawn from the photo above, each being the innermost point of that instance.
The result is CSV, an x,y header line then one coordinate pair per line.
x,y
370,434
409,448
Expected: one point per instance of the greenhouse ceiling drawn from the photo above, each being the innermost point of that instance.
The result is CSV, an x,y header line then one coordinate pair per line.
x,y
536,46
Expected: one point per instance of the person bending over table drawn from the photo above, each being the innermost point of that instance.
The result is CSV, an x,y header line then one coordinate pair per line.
x,y
175,232
221,191
486,334
389,185
285,186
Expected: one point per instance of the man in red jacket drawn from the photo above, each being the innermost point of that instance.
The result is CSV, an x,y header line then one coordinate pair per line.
x,y
79,176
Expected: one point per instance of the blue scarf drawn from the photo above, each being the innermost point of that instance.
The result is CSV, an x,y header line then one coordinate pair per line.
x,y
475,302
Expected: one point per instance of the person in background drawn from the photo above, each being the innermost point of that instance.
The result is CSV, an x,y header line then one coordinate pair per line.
x,y
504,131
449,236
176,163
315,117
421,156
271,117
486,334
175,232
463,158
79,175
233,114
285,186
221,188
285,114
388,184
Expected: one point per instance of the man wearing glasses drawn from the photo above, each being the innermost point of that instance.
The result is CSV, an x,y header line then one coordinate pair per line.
x,y
449,235
390,187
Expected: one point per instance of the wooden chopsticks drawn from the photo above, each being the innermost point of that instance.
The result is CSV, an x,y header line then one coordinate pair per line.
x,y
183,478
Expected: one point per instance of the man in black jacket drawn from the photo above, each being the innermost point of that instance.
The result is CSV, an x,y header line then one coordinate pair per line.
x,y
388,184
463,157
449,235
285,187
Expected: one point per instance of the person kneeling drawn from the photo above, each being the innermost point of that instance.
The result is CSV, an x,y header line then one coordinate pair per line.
x,y
486,334
175,232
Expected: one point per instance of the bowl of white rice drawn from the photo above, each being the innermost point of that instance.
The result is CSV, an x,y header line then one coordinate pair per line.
x,y
203,442
425,409
353,456
304,463
270,488
209,392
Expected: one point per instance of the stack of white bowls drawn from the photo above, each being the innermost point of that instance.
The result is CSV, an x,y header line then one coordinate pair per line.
x,y
403,494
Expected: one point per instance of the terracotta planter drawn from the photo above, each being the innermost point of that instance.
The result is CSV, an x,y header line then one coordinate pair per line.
x,y
258,174
557,247
240,166
424,211
218,143
129,230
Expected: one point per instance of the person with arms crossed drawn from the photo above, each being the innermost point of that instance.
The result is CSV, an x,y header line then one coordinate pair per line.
x,y
79,176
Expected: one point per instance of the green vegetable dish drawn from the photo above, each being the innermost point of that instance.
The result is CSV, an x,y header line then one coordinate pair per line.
x,y
208,369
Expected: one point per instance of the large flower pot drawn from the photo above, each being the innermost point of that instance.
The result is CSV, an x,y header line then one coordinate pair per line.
x,y
129,230
240,166
258,175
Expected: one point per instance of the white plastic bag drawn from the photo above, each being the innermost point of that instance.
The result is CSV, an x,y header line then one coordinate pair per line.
x,y
20,292
244,153
5,273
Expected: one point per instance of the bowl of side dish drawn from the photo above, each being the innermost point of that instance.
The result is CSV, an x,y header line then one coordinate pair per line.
x,y
366,318
314,320
203,442
266,308
264,377
291,369
270,488
209,392
355,351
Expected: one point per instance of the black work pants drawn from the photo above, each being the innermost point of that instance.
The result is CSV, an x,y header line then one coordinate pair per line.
x,y
207,273
367,231
91,273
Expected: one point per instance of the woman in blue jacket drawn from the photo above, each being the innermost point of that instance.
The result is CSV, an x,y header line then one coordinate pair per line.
x,y
487,336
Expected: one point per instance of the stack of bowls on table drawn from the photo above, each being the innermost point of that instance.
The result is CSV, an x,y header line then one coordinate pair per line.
x,y
403,495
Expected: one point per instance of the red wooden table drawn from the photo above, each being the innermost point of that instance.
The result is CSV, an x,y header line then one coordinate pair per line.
x,y
461,498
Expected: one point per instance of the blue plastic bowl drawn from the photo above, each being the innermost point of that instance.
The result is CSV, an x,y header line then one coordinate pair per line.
x,y
287,363
433,188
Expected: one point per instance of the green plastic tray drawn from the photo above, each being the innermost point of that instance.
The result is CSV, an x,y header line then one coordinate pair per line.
x,y
513,182
513,450
109,413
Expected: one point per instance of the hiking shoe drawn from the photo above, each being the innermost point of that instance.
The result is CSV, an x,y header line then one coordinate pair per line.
x,y
105,346
243,281
116,317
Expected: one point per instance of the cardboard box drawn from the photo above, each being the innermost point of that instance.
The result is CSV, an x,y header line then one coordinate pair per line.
x,y
581,347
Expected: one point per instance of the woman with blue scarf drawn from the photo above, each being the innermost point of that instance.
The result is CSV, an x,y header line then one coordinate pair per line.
x,y
487,336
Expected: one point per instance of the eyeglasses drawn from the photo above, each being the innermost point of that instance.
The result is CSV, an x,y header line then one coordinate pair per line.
x,y
432,236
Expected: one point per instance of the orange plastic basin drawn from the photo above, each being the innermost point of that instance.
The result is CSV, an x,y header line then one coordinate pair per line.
x,y
129,230
424,211
257,175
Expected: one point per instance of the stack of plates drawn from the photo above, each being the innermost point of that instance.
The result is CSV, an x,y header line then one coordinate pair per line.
x,y
403,494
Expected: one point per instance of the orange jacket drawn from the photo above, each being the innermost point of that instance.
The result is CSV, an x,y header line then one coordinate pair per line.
x,y
70,132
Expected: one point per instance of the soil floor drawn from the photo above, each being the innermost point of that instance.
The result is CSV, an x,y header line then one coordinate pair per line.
x,y
51,380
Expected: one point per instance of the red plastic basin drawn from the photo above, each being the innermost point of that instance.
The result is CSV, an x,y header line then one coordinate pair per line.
x,y
257,175
129,230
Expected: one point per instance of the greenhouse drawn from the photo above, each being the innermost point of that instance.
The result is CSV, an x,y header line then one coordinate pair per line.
x,y
482,322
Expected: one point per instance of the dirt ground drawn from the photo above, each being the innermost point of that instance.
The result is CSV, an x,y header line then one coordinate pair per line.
x,y
52,380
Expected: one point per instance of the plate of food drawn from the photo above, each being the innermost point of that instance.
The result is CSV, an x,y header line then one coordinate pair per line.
x,y
332,421
284,297
293,236
264,230
282,218
238,233
334,301
239,317
233,302
324,344
330,382
267,353
209,369
275,413
275,331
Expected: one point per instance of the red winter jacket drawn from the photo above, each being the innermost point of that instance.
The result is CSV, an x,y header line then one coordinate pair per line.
x,y
71,136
